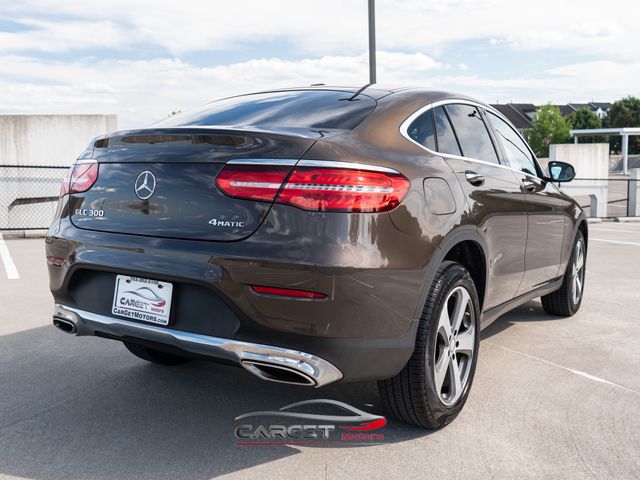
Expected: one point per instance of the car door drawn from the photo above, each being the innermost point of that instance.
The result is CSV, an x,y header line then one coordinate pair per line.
x,y
545,208
495,199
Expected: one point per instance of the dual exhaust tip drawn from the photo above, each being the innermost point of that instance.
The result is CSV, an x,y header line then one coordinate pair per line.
x,y
265,370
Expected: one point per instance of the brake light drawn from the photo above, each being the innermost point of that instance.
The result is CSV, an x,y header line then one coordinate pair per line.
x,y
253,182
345,190
80,177
318,186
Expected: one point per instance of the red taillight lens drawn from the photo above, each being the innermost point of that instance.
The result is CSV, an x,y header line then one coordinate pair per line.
x,y
253,182
286,292
80,178
343,190
316,188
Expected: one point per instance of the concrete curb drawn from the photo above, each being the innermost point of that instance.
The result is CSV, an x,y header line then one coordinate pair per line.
x,y
24,234
627,219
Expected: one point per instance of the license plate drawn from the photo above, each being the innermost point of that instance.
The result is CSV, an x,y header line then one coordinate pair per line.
x,y
142,299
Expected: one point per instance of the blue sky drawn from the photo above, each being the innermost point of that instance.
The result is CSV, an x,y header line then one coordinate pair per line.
x,y
143,59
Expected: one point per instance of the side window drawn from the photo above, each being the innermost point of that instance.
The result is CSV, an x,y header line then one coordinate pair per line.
x,y
447,142
422,131
472,132
518,155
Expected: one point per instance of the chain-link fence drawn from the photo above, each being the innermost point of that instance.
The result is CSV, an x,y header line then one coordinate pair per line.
x,y
28,196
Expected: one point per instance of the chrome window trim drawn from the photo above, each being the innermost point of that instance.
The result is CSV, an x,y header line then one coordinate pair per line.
x,y
287,162
404,127
349,165
311,163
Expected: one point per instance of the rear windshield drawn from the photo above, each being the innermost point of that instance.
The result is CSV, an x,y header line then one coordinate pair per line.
x,y
293,109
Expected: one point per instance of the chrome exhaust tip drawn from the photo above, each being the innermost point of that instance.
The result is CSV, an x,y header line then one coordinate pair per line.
x,y
278,373
268,362
65,325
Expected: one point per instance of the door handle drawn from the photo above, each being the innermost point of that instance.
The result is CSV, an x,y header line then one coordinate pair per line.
x,y
474,178
528,186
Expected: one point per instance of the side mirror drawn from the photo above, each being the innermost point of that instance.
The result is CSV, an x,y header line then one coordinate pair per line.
x,y
561,171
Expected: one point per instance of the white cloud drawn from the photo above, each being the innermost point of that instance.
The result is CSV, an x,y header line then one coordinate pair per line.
x,y
143,91
49,36
146,90
338,26
327,37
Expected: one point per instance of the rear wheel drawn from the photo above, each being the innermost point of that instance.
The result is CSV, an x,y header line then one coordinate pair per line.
x,y
153,355
432,388
566,300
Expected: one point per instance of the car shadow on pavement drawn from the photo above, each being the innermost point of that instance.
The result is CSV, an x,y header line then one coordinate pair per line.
x,y
86,408
529,312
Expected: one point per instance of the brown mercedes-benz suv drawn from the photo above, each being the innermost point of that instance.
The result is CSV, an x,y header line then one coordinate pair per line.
x,y
319,234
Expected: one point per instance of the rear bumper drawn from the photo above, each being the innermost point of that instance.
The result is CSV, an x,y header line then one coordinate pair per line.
x,y
309,369
365,328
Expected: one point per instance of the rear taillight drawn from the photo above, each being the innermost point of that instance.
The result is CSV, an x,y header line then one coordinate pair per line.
x,y
253,182
80,177
318,185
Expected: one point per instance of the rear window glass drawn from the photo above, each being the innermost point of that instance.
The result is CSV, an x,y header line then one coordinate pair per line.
x,y
294,109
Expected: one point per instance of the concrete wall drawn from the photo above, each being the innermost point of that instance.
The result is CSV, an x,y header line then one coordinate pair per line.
x,y
591,161
28,196
49,139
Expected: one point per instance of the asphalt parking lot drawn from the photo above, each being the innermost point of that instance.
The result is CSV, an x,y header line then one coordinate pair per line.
x,y
552,398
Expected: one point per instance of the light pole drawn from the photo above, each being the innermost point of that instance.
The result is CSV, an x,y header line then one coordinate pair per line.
x,y
372,41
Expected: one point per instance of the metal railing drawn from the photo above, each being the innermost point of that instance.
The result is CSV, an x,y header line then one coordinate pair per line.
x,y
29,196
619,192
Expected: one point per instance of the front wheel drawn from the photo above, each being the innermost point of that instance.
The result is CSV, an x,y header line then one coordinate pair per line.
x,y
432,388
567,299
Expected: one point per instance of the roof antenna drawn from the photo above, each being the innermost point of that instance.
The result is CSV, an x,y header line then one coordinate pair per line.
x,y
353,97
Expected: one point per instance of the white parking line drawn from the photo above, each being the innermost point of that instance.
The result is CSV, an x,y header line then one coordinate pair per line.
x,y
567,369
9,266
614,241
592,229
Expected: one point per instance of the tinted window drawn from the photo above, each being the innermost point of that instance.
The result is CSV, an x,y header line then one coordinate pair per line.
x,y
421,130
472,133
447,142
518,155
299,109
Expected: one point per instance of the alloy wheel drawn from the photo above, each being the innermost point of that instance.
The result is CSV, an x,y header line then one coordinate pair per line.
x,y
455,346
577,273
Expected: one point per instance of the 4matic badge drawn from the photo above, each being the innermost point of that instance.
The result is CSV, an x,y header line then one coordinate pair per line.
x,y
225,223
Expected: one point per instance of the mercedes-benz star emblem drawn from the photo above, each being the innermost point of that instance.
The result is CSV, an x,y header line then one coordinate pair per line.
x,y
145,185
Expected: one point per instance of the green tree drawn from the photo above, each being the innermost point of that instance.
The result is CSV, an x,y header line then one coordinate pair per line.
x,y
625,113
548,127
585,119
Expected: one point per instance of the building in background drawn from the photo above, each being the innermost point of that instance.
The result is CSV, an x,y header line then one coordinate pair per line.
x,y
521,114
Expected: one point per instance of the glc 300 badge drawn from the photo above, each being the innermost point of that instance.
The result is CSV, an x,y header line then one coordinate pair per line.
x,y
145,185
225,223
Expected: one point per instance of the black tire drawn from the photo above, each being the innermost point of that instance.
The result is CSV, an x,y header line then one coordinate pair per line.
x,y
412,396
561,302
153,355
